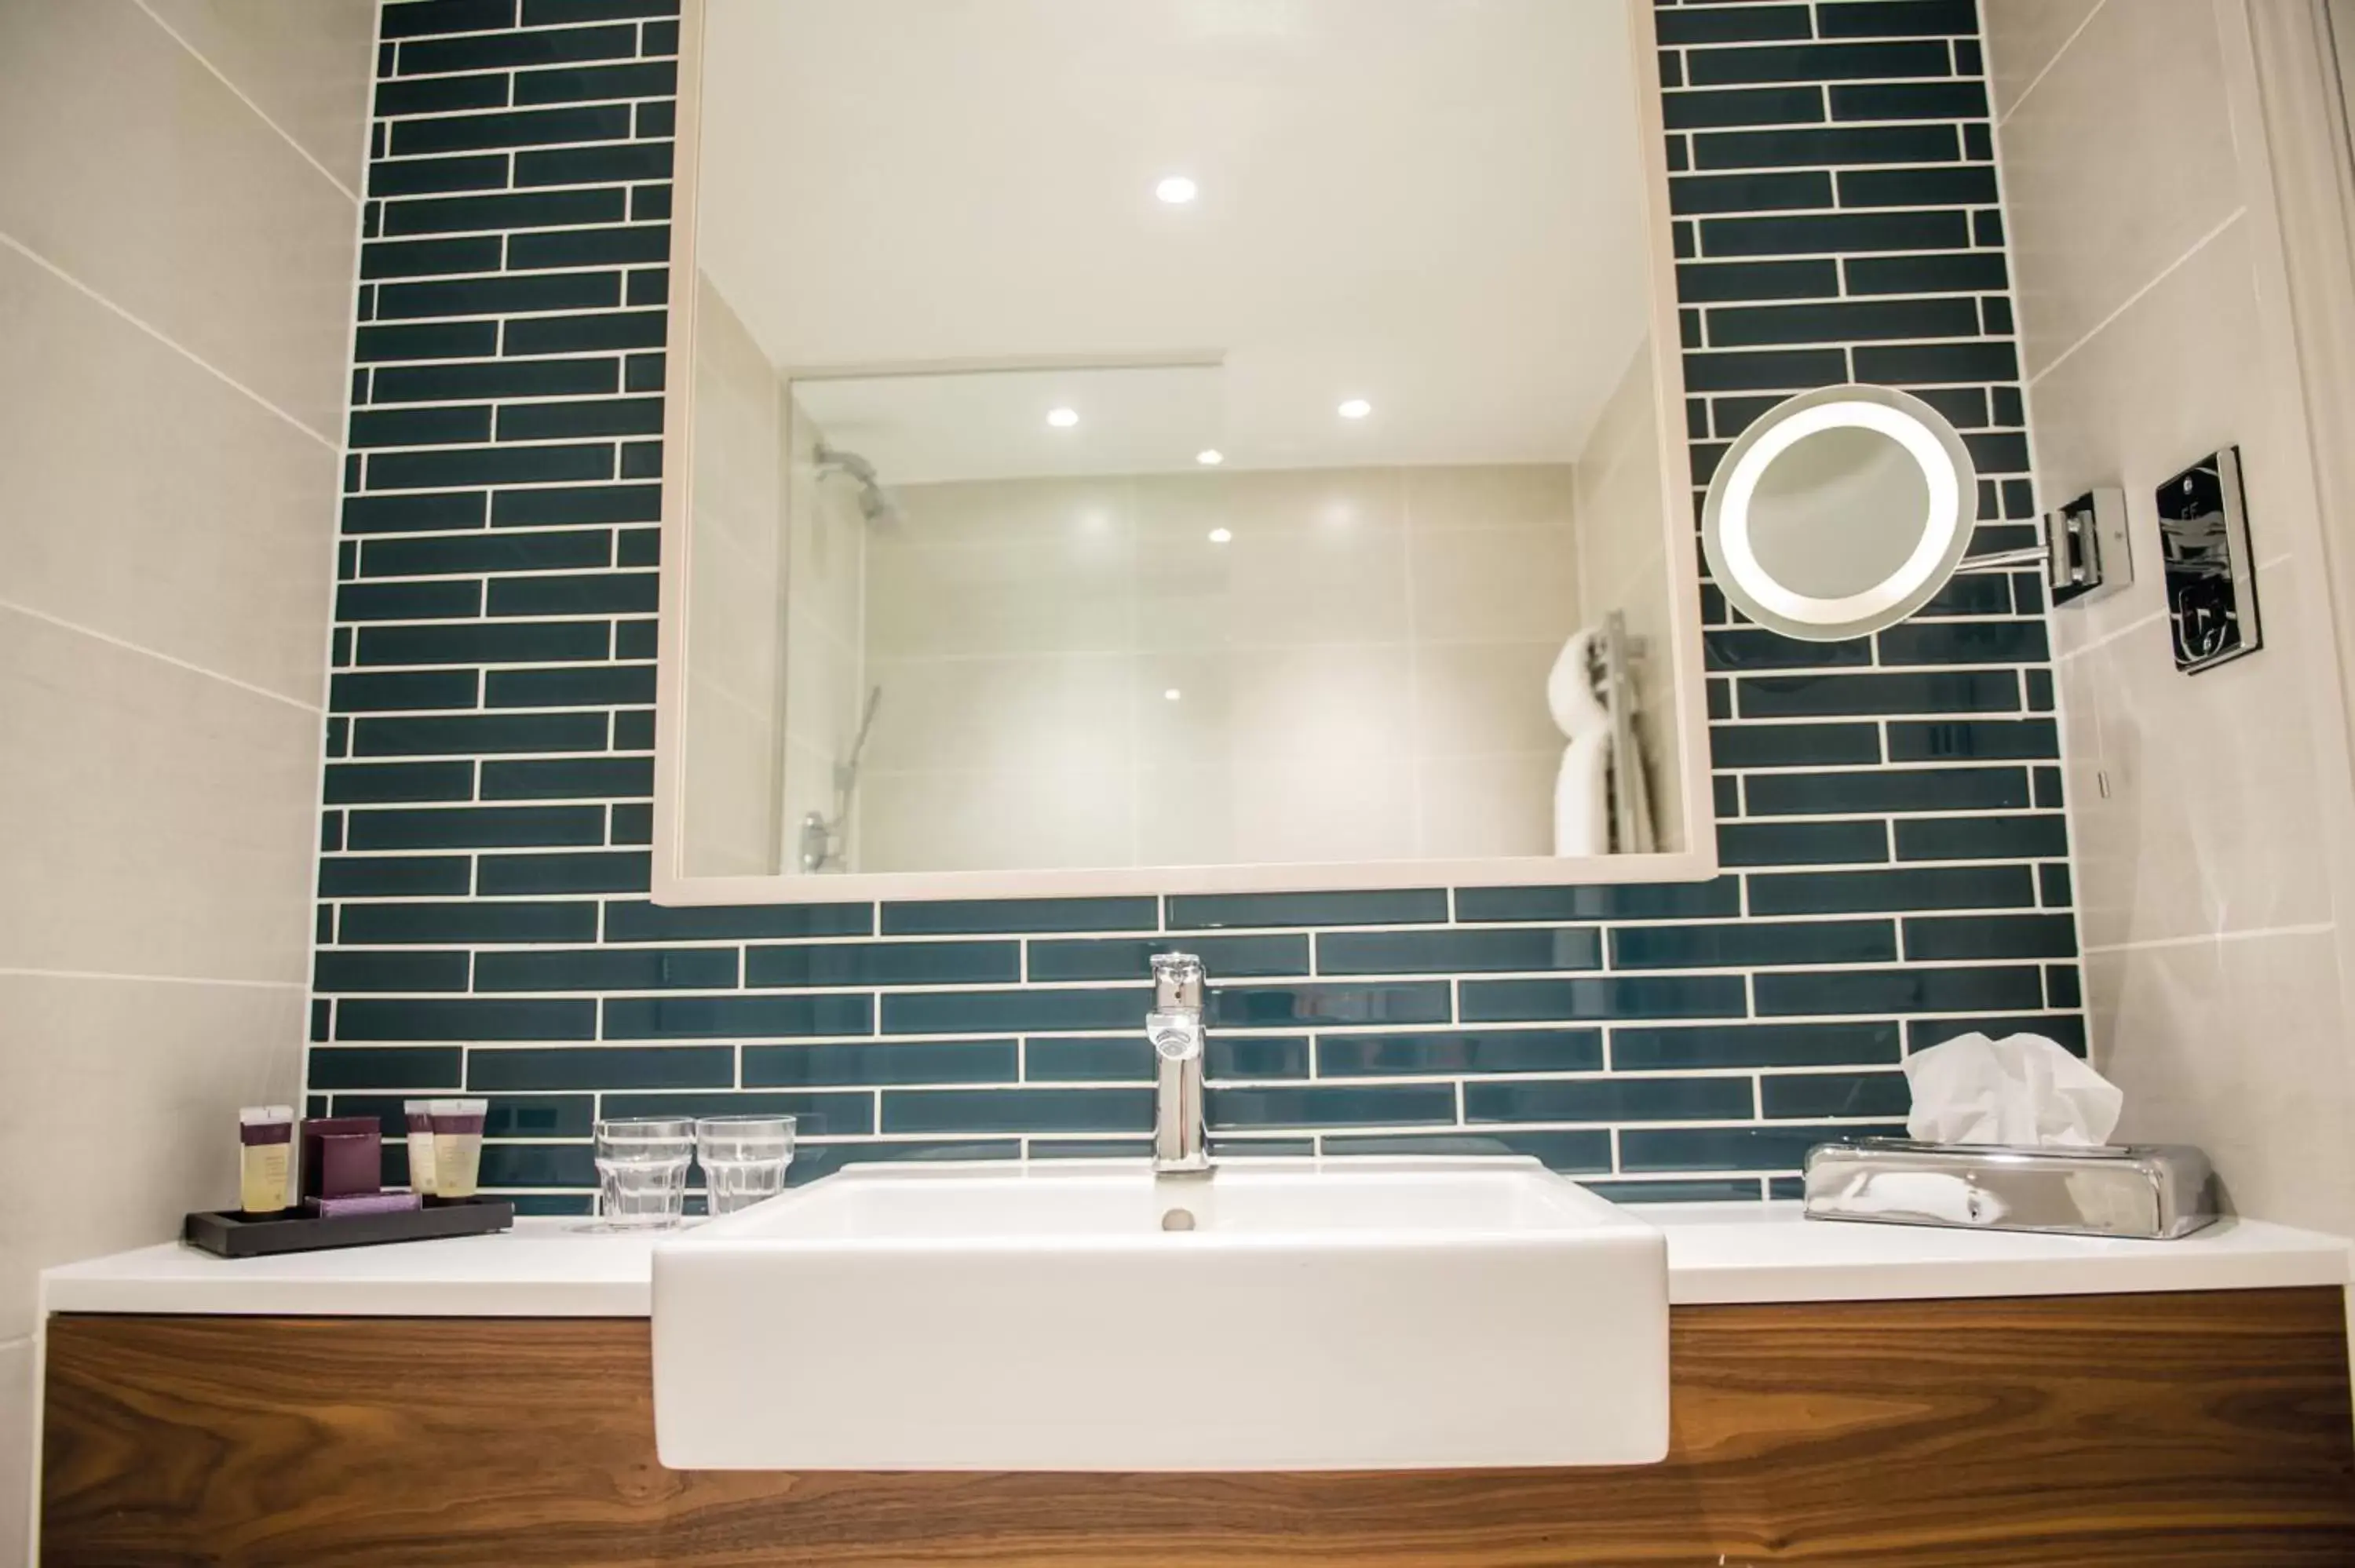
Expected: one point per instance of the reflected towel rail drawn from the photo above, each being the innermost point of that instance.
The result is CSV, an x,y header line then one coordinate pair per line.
x,y
1612,657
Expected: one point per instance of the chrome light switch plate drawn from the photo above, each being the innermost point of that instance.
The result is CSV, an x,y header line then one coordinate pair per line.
x,y
2211,583
2087,538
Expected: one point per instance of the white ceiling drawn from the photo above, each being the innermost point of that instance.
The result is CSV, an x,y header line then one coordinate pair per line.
x,y
1434,204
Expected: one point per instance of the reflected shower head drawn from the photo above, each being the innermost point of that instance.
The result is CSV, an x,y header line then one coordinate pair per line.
x,y
875,502
836,460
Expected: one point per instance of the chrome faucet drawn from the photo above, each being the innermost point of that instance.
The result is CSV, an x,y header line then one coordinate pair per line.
x,y
1180,1146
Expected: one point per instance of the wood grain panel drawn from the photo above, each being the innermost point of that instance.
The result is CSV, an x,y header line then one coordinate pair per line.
x,y
2193,1430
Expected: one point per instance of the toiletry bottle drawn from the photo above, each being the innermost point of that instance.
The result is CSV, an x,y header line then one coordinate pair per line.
x,y
457,1146
419,1114
265,1136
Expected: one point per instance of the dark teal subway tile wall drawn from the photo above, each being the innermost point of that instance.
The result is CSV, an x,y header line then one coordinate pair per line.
x,y
1889,808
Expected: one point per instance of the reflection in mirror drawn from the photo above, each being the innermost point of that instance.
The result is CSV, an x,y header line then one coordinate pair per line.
x,y
1176,434
1839,513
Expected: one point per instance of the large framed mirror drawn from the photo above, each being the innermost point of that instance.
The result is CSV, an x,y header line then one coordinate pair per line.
x,y
1173,446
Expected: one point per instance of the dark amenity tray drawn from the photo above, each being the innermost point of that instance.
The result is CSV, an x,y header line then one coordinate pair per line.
x,y
229,1234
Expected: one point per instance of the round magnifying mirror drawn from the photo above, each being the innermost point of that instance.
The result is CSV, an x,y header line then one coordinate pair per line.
x,y
1839,513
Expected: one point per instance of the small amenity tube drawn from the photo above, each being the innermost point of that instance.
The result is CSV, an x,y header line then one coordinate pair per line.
x,y
419,1114
457,1146
265,1136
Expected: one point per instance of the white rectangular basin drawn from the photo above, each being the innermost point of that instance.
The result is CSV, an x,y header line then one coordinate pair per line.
x,y
1273,1316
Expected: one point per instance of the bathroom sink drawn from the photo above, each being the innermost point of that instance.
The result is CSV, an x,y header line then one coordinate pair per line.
x,y
1272,1316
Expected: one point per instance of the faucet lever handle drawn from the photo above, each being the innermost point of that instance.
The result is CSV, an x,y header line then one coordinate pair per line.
x,y
1176,1036
1177,982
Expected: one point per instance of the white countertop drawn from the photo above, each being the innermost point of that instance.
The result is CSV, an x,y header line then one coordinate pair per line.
x,y
1716,1253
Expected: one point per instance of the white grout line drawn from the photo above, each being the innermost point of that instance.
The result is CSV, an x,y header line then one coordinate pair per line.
x,y
2063,656
17,974
2038,79
2211,938
128,646
259,112
13,243
2137,297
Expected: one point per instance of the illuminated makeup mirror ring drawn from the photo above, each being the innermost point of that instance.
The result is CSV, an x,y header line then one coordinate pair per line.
x,y
1946,498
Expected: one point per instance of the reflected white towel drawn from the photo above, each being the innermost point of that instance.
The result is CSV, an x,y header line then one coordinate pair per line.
x,y
1581,789
1581,797
1570,689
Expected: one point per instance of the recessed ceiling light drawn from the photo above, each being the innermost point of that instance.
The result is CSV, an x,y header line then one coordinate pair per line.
x,y
1063,418
1176,190
1222,536
1209,457
1172,694
1356,409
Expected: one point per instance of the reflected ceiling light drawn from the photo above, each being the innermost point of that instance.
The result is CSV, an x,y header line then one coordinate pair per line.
x,y
1209,457
1176,190
1356,409
1172,694
1063,418
1222,536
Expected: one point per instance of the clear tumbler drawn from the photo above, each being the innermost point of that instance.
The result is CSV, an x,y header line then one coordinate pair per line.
x,y
642,1164
744,1157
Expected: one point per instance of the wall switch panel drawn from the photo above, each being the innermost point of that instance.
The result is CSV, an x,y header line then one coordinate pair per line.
x,y
2212,584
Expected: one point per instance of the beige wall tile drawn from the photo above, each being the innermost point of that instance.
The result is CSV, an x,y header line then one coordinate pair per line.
x,y
1318,503
1531,495
2204,775
162,1067
2211,812
149,501
734,789
1621,545
1317,555
1289,809
2120,412
737,583
1032,819
1623,564
1038,625
736,463
1185,813
2114,166
1313,809
2196,806
307,64
737,644
1201,724
1081,515
1476,699
736,657
1000,598
1474,805
2235,1047
1051,712
1494,585
129,165
2023,38
16,1395
175,814
1325,703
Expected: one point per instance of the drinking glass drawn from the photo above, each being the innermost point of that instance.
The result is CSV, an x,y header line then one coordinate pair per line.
x,y
744,1157
641,1171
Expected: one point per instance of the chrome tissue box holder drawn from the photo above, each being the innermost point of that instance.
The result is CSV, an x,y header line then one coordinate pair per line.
x,y
2156,1191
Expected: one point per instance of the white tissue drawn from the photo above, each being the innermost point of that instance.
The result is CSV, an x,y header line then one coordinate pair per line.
x,y
2022,1090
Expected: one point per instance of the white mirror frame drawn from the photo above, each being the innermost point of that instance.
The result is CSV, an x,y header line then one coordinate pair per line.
x,y
1946,471
1681,658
